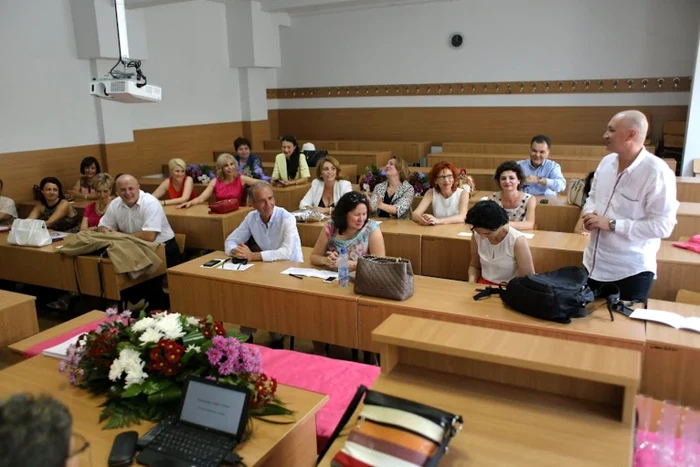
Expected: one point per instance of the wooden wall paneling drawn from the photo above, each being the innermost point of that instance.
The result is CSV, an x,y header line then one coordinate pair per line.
x,y
120,158
156,147
257,132
20,171
565,125
320,144
274,123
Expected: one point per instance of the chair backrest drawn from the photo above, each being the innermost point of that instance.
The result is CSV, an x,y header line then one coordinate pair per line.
x,y
687,296
180,239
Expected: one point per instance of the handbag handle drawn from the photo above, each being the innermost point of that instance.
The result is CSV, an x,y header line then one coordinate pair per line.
x,y
361,390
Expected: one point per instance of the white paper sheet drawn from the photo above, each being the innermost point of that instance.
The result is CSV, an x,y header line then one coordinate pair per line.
x,y
61,350
237,267
666,317
469,234
308,272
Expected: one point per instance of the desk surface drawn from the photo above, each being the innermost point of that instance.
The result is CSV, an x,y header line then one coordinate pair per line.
x,y
55,331
40,375
660,333
504,425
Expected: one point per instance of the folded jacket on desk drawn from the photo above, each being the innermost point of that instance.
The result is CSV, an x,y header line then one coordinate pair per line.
x,y
127,253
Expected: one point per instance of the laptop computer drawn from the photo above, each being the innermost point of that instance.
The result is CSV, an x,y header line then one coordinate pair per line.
x,y
210,424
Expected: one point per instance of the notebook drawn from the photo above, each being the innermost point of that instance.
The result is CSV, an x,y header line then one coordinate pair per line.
x,y
669,318
61,350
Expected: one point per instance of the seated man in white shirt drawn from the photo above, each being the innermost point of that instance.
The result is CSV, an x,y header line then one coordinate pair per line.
x,y
274,231
631,206
141,215
8,210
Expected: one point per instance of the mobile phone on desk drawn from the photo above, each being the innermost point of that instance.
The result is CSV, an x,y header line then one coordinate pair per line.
x,y
328,280
544,201
213,263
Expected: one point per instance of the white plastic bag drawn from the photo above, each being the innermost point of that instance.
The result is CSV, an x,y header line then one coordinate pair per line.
x,y
29,232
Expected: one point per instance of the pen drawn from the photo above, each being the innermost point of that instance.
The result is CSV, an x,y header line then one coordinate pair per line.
x,y
298,277
224,262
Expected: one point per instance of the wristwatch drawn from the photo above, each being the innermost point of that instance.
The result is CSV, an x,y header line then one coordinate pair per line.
x,y
612,223
539,180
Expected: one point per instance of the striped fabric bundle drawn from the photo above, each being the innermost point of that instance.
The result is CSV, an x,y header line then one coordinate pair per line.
x,y
395,432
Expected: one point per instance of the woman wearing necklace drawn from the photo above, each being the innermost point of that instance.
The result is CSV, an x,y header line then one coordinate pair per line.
x,y
448,200
102,185
228,183
499,252
519,206
327,188
393,197
55,208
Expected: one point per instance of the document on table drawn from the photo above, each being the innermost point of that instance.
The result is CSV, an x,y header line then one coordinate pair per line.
x,y
61,350
669,318
469,234
308,272
237,266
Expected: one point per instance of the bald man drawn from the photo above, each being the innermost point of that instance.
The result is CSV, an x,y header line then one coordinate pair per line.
x,y
631,206
141,215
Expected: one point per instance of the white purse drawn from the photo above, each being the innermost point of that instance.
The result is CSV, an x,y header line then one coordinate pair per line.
x,y
29,232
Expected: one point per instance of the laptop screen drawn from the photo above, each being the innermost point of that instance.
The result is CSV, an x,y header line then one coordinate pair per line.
x,y
215,407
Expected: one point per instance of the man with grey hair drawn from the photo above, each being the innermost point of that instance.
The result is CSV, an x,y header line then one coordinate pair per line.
x,y
36,431
631,206
274,231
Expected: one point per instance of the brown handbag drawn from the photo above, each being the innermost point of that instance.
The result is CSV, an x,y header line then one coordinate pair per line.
x,y
384,277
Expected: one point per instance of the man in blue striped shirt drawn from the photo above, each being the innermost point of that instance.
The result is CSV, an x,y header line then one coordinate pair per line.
x,y
542,176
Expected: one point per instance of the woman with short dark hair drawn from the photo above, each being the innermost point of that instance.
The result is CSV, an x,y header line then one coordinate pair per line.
x,y
89,167
519,206
55,208
350,228
499,252
248,162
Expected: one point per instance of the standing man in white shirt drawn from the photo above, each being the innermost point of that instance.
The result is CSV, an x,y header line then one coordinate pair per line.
x,y
274,231
141,215
8,210
631,206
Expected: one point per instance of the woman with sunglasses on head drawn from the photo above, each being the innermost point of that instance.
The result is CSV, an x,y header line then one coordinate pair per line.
x,y
498,251
449,202
327,188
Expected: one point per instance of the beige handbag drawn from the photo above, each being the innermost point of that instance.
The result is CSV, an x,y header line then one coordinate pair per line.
x,y
384,277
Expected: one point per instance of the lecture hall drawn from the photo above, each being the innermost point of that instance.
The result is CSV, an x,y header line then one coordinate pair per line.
x,y
349,233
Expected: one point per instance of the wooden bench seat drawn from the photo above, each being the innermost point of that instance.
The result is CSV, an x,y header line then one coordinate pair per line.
x,y
411,151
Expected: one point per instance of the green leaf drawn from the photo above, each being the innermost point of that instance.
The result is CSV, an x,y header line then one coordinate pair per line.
x,y
193,338
173,393
236,334
133,390
126,345
152,386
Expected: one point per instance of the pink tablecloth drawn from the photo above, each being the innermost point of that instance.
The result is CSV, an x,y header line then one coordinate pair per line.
x,y
649,451
338,379
41,346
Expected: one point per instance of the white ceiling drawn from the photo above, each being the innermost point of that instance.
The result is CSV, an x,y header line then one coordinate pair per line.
x,y
298,7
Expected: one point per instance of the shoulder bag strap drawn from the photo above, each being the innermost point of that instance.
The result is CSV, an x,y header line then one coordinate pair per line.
x,y
361,390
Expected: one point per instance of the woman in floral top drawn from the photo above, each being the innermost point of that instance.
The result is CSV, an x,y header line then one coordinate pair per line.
x,y
350,229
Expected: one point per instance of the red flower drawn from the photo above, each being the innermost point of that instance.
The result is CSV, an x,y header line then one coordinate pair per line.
x,y
219,328
156,365
207,332
155,354
172,369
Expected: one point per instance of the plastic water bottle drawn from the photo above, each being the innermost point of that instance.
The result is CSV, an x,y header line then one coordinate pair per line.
x,y
343,269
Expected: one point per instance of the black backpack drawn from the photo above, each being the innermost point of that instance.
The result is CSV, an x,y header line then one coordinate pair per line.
x,y
555,296
312,157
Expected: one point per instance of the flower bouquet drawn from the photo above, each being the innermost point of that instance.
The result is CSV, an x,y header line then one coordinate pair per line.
x,y
371,177
257,174
141,365
420,183
200,173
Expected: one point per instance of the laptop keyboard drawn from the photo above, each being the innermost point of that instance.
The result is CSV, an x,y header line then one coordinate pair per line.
x,y
192,444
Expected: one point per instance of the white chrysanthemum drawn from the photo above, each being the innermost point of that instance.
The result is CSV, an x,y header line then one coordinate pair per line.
x,y
196,348
143,324
129,361
170,326
159,315
134,373
150,335
116,370
192,321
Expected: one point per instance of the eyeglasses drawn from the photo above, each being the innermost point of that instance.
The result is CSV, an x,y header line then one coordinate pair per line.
x,y
445,177
78,445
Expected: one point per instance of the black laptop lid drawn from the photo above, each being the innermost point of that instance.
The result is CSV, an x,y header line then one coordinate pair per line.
x,y
215,406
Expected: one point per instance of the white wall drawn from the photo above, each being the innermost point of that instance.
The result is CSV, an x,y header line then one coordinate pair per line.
x,y
44,96
505,40
188,58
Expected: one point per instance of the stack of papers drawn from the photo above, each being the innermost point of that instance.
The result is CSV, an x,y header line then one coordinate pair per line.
x,y
237,266
469,234
61,350
308,272
669,318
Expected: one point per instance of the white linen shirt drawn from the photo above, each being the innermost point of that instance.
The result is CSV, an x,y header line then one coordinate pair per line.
x,y
315,193
7,206
642,201
146,215
279,239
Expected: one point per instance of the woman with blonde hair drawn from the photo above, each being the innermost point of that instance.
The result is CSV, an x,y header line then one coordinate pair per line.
x,y
228,183
393,197
102,185
179,186
327,188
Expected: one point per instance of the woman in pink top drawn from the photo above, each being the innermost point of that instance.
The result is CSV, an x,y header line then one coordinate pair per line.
x,y
102,186
228,183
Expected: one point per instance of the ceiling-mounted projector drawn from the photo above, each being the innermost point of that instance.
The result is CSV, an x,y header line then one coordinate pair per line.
x,y
125,90
128,84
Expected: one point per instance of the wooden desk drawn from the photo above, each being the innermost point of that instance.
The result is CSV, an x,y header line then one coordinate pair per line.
x,y
349,171
204,230
289,197
453,301
411,151
359,159
505,425
688,189
688,217
672,357
555,216
24,208
17,317
150,184
261,297
270,445
22,346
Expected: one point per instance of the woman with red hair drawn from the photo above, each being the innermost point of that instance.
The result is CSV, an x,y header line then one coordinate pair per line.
x,y
449,202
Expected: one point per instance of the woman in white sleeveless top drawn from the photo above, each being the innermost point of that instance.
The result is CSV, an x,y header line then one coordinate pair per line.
x,y
449,202
498,251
